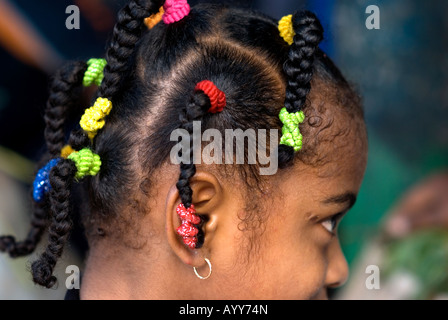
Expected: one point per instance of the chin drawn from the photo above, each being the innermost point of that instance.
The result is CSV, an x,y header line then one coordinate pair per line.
x,y
321,295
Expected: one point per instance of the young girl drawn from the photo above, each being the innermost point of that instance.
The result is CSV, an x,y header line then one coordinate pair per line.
x,y
160,230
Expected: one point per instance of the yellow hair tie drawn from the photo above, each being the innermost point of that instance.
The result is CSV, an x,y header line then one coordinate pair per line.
x,y
93,118
66,151
154,19
286,29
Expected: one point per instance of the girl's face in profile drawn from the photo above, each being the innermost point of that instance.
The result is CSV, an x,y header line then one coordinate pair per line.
x,y
302,255
296,254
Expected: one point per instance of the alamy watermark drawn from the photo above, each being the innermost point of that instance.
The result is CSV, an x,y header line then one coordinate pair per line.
x,y
190,149
73,20
373,20
373,280
73,280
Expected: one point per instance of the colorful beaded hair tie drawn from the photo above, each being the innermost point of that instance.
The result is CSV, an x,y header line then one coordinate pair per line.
x,y
87,163
175,10
291,135
41,184
286,29
93,119
188,230
66,151
94,73
154,19
216,96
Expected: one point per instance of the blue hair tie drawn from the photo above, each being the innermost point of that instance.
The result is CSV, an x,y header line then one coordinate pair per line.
x,y
41,184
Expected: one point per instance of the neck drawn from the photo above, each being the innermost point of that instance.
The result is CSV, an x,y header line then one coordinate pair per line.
x,y
131,274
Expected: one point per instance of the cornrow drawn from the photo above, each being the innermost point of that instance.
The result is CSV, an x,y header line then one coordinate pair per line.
x,y
127,32
299,70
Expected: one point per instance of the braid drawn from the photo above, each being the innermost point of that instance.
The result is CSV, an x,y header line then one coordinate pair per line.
x,y
78,139
38,225
62,97
194,111
299,69
299,66
127,31
61,179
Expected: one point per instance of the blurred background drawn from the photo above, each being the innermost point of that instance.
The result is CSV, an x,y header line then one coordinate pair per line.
x,y
400,221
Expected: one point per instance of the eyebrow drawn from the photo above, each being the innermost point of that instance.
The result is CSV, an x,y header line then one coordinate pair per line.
x,y
348,197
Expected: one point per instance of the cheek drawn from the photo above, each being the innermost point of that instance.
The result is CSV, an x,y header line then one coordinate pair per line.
x,y
291,262
301,266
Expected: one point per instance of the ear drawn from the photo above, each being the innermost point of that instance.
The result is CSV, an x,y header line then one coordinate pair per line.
x,y
208,200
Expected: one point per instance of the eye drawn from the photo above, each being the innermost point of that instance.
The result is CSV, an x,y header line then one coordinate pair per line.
x,y
331,223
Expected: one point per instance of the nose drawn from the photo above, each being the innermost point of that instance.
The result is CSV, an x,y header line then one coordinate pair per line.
x,y
337,271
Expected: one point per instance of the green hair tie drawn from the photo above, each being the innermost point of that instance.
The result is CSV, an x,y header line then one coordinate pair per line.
x,y
291,135
87,163
94,73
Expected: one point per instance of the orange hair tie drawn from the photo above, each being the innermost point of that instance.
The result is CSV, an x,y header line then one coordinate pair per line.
x,y
217,97
154,19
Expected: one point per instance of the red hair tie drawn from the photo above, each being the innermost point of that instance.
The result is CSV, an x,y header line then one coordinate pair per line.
x,y
217,97
188,229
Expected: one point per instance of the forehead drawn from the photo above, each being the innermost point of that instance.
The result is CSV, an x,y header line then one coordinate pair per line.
x,y
335,137
312,187
336,158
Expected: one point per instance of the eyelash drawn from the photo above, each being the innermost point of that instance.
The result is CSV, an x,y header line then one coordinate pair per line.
x,y
331,223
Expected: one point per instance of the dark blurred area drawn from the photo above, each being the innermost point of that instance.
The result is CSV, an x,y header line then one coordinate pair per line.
x,y
401,71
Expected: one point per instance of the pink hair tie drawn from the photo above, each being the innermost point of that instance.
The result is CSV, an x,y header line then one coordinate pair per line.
x,y
175,10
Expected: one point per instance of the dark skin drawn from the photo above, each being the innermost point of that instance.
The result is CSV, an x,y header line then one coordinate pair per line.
x,y
295,253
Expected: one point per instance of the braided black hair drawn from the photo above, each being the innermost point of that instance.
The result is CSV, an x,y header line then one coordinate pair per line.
x,y
299,69
127,32
149,77
61,178
299,66
195,110
63,89
63,96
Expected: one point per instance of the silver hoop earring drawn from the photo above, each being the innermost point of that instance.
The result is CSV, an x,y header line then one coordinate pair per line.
x,y
209,272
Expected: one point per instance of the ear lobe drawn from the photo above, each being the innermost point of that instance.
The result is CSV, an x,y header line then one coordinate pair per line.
x,y
207,198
